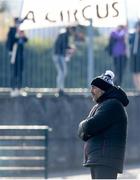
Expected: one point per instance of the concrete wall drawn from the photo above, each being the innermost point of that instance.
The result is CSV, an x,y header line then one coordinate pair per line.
x,y
63,114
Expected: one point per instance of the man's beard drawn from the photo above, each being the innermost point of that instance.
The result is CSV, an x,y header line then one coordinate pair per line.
x,y
94,97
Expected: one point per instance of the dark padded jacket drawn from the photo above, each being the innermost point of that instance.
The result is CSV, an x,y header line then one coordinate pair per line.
x,y
105,129
61,44
11,38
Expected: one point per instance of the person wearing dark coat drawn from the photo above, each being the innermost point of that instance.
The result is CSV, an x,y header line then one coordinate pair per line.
x,y
134,40
62,54
16,40
105,129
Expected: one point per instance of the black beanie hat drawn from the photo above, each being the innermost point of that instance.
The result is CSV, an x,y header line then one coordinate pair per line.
x,y
105,81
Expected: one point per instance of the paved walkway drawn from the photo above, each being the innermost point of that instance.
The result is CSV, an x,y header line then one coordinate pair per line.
x,y
130,172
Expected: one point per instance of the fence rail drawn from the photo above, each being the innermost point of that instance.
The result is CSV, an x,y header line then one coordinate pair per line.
x,y
39,70
28,156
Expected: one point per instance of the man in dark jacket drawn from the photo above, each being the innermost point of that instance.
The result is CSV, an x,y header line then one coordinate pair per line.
x,y
104,130
62,54
16,40
134,39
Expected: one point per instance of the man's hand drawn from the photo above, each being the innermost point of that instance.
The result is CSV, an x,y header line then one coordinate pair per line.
x,y
70,52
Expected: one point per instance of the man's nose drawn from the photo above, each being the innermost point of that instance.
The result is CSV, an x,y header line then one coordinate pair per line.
x,y
91,89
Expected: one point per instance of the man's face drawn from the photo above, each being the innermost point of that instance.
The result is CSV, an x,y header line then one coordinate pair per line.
x,y
96,92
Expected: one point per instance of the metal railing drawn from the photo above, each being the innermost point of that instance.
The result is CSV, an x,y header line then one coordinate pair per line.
x,y
39,71
24,151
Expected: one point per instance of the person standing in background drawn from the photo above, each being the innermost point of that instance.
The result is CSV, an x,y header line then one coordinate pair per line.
x,y
62,54
118,51
15,44
105,129
134,40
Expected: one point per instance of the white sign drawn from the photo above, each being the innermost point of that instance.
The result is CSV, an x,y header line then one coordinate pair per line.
x,y
49,13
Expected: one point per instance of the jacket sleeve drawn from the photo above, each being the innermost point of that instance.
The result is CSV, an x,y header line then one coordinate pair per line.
x,y
9,41
81,133
104,117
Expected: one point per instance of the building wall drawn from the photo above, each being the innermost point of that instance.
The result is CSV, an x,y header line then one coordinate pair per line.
x,y
63,114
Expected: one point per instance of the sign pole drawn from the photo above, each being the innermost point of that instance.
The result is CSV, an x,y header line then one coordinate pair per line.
x,y
90,63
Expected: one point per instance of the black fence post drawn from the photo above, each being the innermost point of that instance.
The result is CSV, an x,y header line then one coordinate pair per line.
x,y
46,154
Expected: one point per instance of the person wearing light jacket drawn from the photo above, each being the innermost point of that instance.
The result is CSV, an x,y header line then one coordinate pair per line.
x,y
105,129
